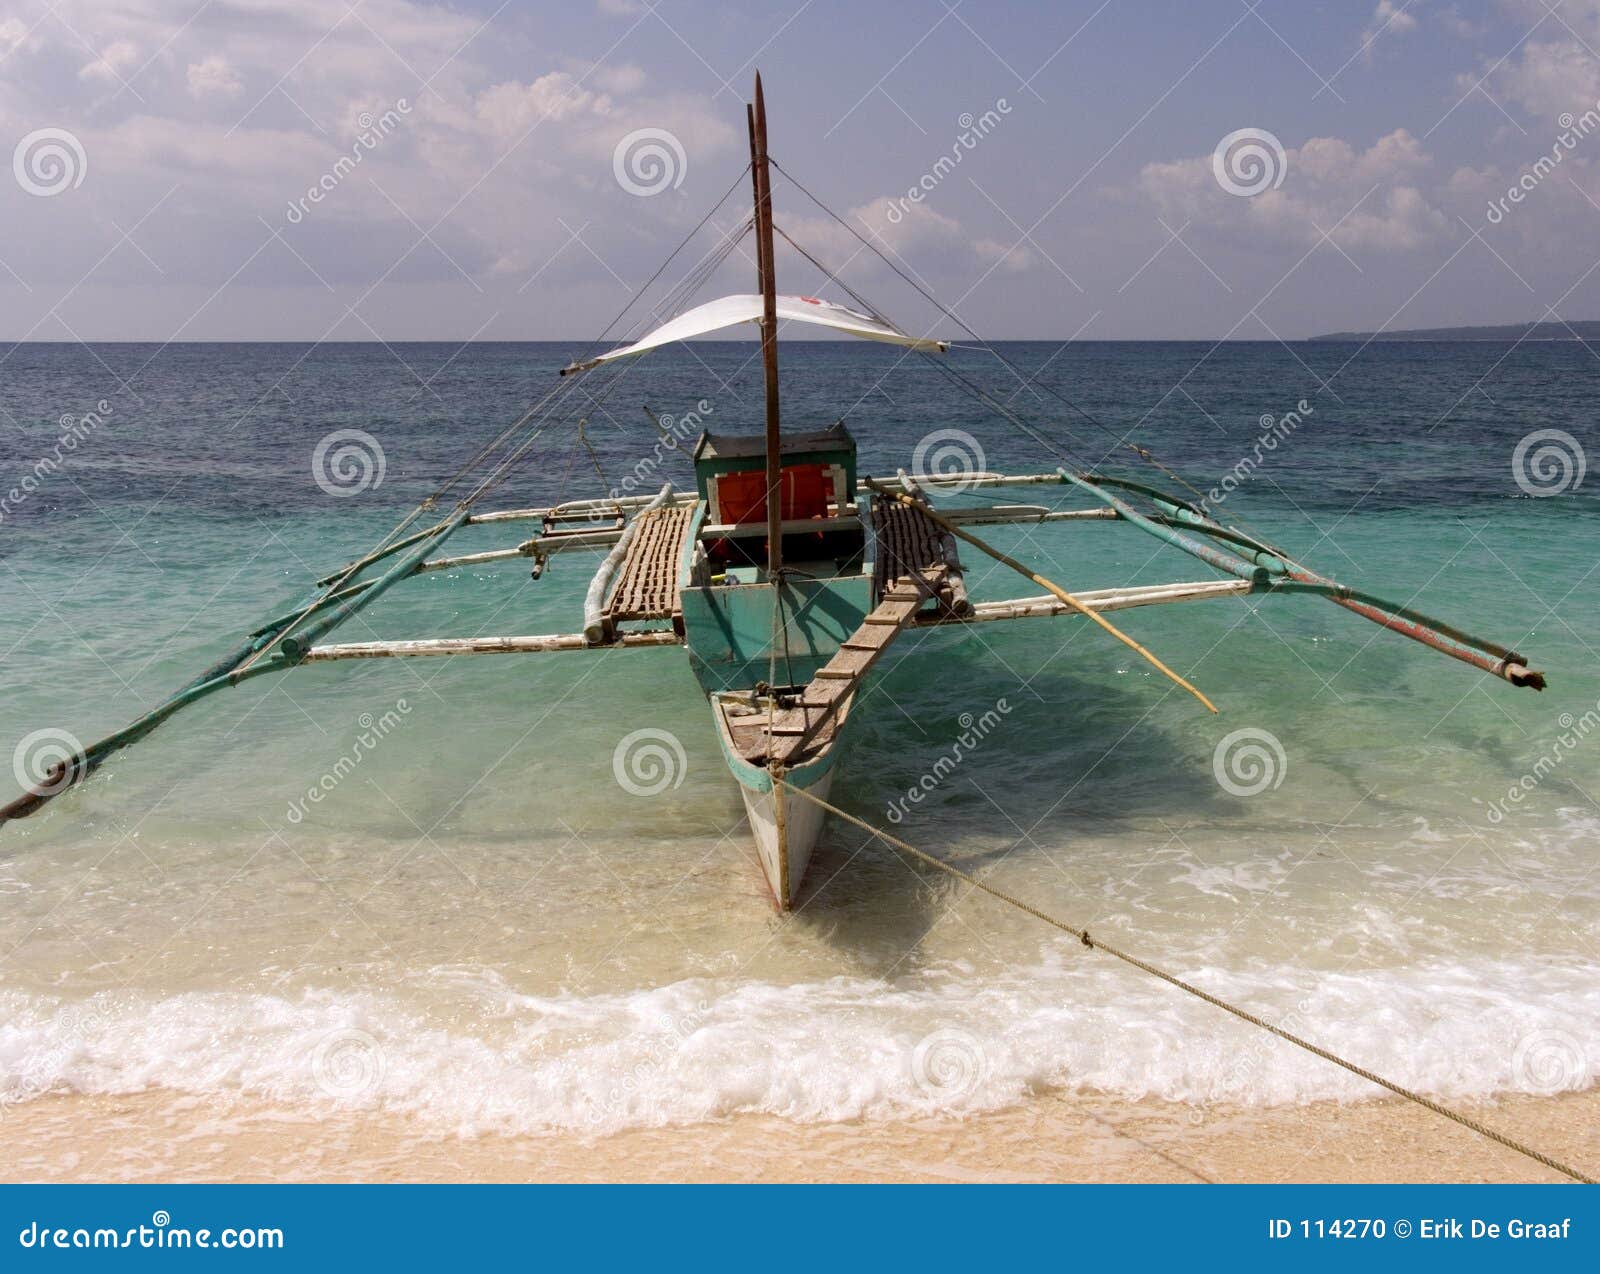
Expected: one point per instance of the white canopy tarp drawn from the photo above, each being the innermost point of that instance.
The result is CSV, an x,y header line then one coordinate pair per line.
x,y
730,310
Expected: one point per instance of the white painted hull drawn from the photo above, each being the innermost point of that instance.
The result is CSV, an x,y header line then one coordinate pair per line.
x,y
785,828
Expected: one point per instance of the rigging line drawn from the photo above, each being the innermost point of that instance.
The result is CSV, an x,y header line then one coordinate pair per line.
x,y
699,273
1122,440
551,396
940,305
1004,411
878,314
661,269
1083,936
482,454
833,276
583,437
499,474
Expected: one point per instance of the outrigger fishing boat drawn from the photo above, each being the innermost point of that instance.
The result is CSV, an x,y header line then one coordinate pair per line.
x,y
785,573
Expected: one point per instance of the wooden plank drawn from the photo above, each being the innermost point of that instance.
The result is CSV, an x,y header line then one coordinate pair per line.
x,y
836,681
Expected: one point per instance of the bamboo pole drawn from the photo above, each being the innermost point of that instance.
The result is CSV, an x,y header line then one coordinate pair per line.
x,y
1054,588
439,646
1105,599
296,643
1212,557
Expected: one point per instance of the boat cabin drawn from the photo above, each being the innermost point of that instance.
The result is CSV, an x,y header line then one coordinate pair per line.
x,y
817,500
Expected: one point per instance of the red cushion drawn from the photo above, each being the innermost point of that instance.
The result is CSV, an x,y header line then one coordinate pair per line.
x,y
742,496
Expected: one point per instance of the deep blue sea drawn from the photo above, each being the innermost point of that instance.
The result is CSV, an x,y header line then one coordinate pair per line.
x,y
477,929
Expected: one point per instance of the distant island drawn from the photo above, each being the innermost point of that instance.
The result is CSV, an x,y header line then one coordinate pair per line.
x,y
1575,331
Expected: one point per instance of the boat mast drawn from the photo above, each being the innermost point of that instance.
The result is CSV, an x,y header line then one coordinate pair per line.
x,y
762,179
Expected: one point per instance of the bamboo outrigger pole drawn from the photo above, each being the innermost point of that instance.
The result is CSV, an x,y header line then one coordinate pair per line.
x,y
1271,570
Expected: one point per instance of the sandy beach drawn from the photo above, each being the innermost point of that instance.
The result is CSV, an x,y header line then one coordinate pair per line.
x,y
160,1136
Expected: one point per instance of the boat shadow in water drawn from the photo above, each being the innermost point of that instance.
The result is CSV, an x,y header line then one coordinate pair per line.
x,y
993,771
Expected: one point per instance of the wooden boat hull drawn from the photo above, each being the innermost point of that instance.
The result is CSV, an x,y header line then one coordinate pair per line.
x,y
784,826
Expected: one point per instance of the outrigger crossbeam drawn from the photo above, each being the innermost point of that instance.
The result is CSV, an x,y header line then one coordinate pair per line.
x,y
1264,568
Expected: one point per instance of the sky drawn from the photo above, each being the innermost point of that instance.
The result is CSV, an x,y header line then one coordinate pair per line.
x,y
399,170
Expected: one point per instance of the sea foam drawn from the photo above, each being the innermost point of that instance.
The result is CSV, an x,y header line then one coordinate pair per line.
x,y
464,1051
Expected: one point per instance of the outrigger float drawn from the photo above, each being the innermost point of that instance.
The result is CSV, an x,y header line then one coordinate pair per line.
x,y
785,574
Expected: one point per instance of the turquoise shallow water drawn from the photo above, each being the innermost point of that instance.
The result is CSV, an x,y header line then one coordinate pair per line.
x,y
478,928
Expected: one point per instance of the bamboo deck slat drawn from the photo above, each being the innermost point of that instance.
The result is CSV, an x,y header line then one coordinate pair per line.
x,y
647,585
910,543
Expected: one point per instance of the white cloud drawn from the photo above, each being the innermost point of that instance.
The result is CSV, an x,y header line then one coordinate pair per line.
x,y
1388,19
213,75
1363,198
112,63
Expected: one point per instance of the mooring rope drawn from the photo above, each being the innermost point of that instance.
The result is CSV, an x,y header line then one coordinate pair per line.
x,y
1083,936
